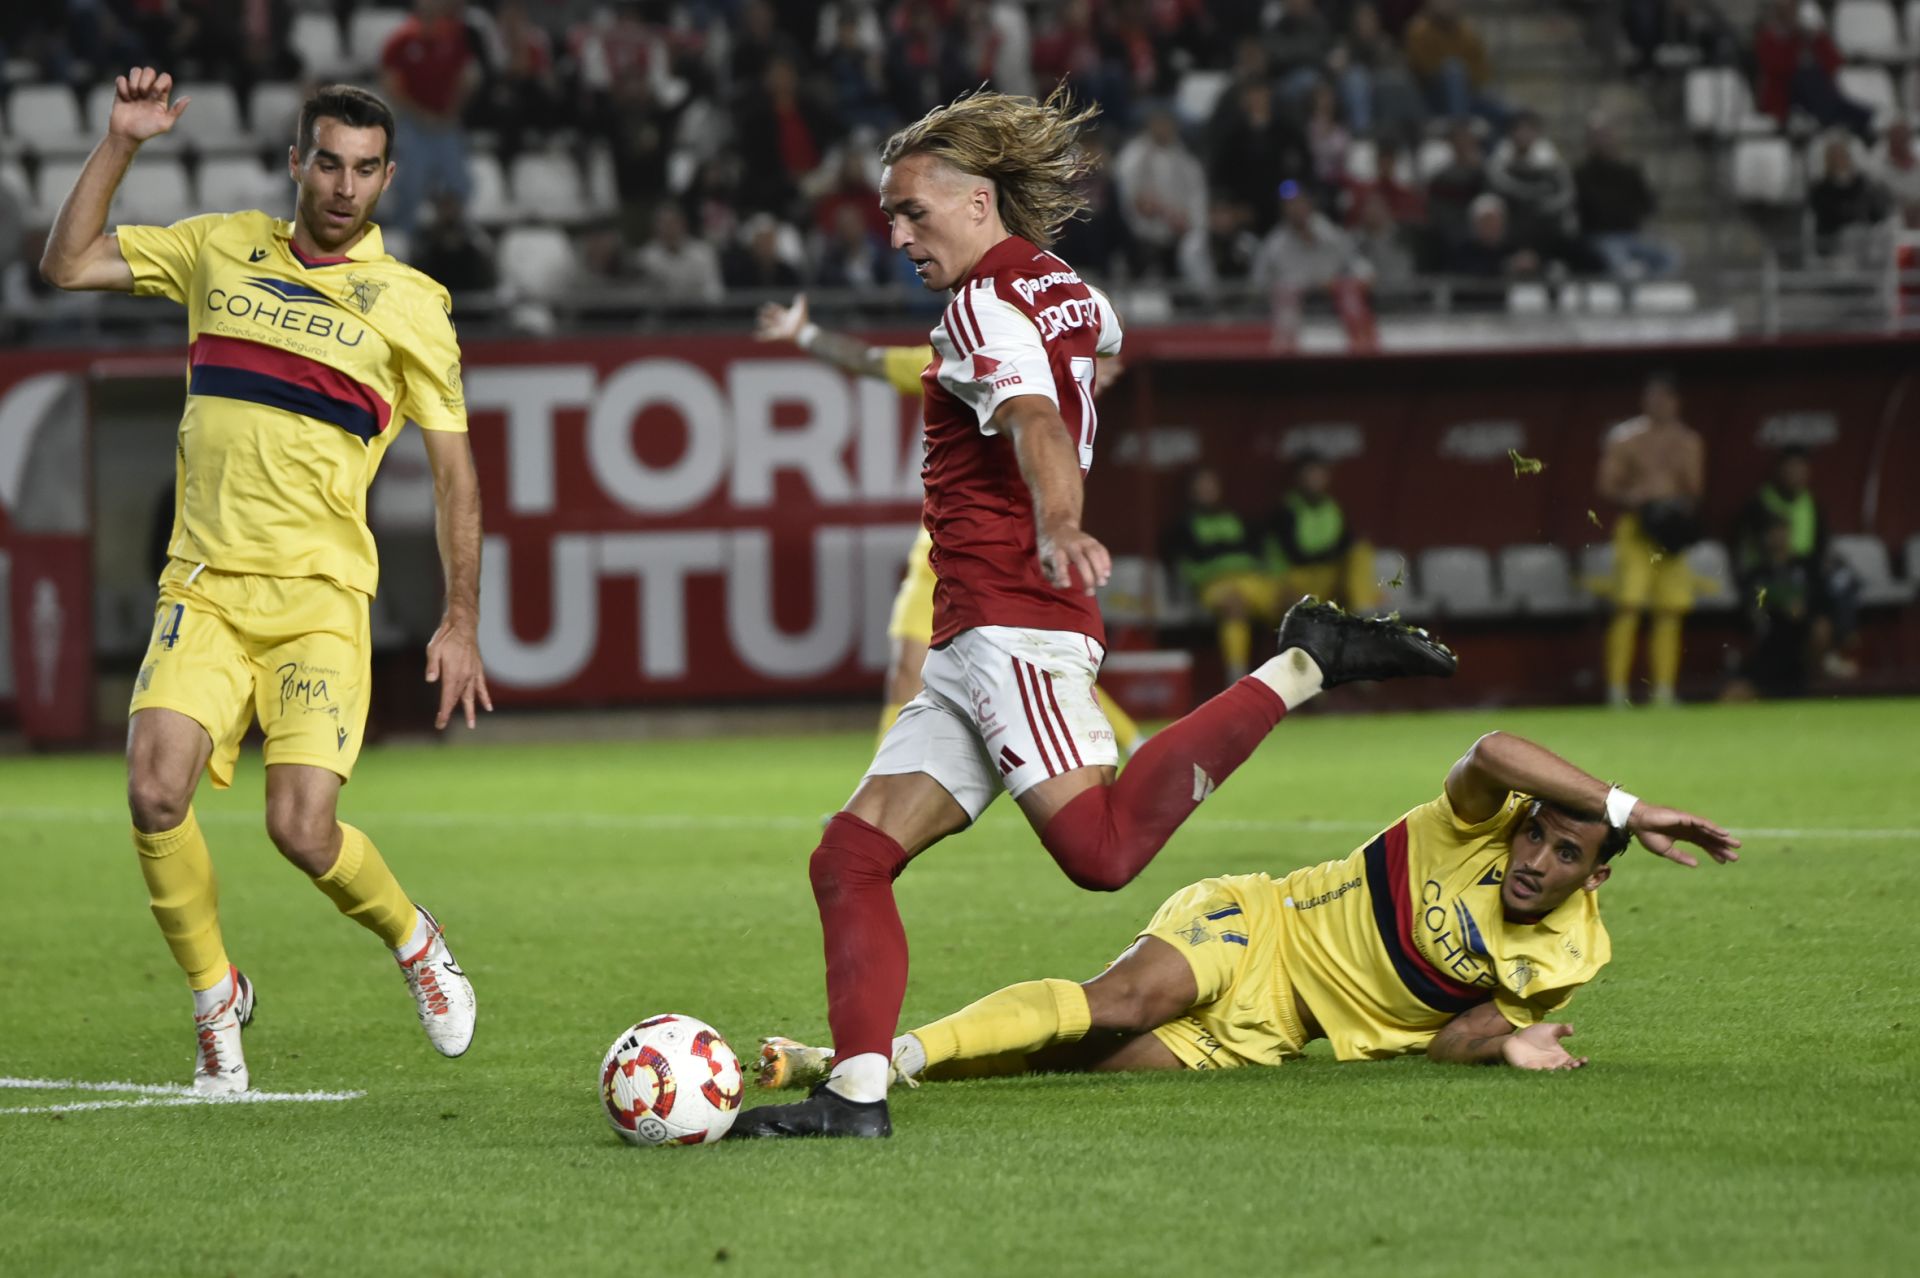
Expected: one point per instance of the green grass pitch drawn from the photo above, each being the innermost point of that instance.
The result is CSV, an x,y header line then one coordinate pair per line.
x,y
1753,1105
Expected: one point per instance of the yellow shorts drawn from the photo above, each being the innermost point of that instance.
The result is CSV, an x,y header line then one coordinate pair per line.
x,y
1347,581
1259,594
293,651
913,606
1229,931
1644,576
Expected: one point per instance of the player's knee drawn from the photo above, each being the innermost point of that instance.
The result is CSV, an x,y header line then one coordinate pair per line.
x,y
156,803
304,834
1096,875
1122,1005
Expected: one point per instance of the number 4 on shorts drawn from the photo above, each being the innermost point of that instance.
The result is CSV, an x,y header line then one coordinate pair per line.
x,y
170,627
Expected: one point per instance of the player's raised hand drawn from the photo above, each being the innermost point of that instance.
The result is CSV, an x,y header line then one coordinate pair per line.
x,y
1662,830
1538,1047
453,662
779,323
1070,557
140,109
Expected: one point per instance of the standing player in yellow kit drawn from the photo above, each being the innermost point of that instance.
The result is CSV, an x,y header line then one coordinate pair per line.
x,y
910,629
311,347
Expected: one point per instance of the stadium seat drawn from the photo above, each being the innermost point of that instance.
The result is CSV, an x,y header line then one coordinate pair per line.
x,y
367,34
1912,24
1173,602
1458,581
273,113
1363,161
56,178
1763,171
241,182
316,38
1596,569
46,117
212,122
603,193
1539,580
1528,299
488,204
546,186
1720,103
1865,30
538,263
1197,94
1393,574
1867,556
1713,576
1871,87
1665,297
1913,563
154,192
1434,155
14,179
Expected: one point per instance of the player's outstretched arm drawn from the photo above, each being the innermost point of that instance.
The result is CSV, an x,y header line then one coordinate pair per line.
x,y
1483,1036
1069,556
79,254
777,323
1500,763
453,655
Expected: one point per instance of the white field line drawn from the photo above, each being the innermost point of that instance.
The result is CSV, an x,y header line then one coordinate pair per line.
x,y
150,1095
644,821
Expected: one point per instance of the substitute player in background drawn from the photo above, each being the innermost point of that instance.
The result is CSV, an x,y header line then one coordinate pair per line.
x,y
1455,931
910,628
974,192
310,347
1653,468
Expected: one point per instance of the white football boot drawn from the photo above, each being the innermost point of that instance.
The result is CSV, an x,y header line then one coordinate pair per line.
x,y
441,992
785,1062
221,1068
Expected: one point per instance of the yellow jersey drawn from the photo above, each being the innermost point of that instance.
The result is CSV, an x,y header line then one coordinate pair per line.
x,y
301,373
902,366
1391,943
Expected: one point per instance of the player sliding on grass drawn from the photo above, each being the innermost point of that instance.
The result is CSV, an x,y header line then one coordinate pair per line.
x,y
974,192
1453,932
310,348
910,628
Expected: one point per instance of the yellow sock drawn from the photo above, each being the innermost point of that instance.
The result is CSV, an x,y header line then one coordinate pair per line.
x,y
1236,645
1012,1022
1663,650
1126,733
888,714
185,899
1620,635
366,891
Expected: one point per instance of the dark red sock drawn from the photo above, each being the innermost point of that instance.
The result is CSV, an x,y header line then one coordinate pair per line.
x,y
853,871
1106,836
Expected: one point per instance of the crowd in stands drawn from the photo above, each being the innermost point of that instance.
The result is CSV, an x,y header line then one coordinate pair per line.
x,y
1287,145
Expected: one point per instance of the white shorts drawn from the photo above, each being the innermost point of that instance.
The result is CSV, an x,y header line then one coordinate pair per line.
x,y
1002,708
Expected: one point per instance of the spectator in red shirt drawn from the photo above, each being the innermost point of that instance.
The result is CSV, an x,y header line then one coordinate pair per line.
x,y
782,131
853,189
428,72
1795,67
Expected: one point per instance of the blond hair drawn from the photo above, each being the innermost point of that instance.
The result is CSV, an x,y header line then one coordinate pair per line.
x,y
1031,151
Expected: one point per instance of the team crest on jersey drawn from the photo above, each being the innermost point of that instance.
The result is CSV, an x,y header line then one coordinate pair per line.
x,y
364,292
1520,976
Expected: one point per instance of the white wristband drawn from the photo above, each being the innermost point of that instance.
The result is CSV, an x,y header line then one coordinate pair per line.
x,y
1620,807
805,338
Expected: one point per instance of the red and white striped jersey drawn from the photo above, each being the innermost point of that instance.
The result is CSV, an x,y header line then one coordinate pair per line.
x,y
1021,323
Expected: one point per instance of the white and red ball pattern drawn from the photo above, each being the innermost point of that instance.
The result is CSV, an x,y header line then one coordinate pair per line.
x,y
671,1080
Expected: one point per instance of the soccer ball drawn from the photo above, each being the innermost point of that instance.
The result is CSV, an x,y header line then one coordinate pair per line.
x,y
670,1080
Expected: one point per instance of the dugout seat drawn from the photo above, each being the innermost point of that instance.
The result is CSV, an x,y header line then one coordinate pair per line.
x,y
1538,580
1392,566
1127,598
1665,297
1457,581
1867,556
1913,563
46,117
1713,576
